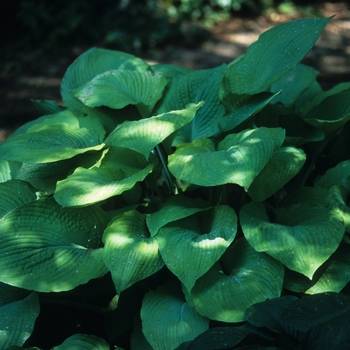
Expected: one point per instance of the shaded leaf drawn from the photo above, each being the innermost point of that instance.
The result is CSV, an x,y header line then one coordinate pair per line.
x,y
284,164
19,311
130,253
168,320
83,342
41,239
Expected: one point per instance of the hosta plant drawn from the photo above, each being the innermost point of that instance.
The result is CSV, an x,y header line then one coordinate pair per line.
x,y
167,208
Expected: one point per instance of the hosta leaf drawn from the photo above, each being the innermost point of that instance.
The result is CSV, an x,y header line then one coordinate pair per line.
x,y
246,277
284,164
8,170
189,254
119,88
13,194
175,208
83,342
91,63
304,235
338,175
268,313
336,200
19,311
194,87
239,158
130,253
168,320
46,248
219,338
293,84
118,170
47,106
170,70
273,55
252,106
59,136
143,135
332,113
333,276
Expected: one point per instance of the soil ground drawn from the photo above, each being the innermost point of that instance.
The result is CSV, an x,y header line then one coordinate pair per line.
x,y
34,75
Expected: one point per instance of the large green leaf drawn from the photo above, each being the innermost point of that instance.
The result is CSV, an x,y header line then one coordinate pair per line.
x,y
245,277
238,159
168,320
175,208
118,170
84,342
119,88
130,253
57,137
284,164
273,55
144,135
19,311
333,276
91,63
15,193
302,236
194,87
338,175
188,253
8,170
46,248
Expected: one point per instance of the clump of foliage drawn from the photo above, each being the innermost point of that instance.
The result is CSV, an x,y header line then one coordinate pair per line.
x,y
214,202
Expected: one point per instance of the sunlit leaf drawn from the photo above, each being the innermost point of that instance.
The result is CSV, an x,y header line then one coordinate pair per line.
x,y
46,248
19,311
8,170
188,253
119,88
237,159
244,278
304,236
168,320
143,135
274,54
129,252
118,170
59,136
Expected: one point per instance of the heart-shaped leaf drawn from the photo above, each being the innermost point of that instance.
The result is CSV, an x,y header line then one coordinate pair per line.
x,y
59,136
175,208
144,135
240,158
19,311
168,320
188,253
304,235
118,170
41,239
119,88
130,253
245,277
